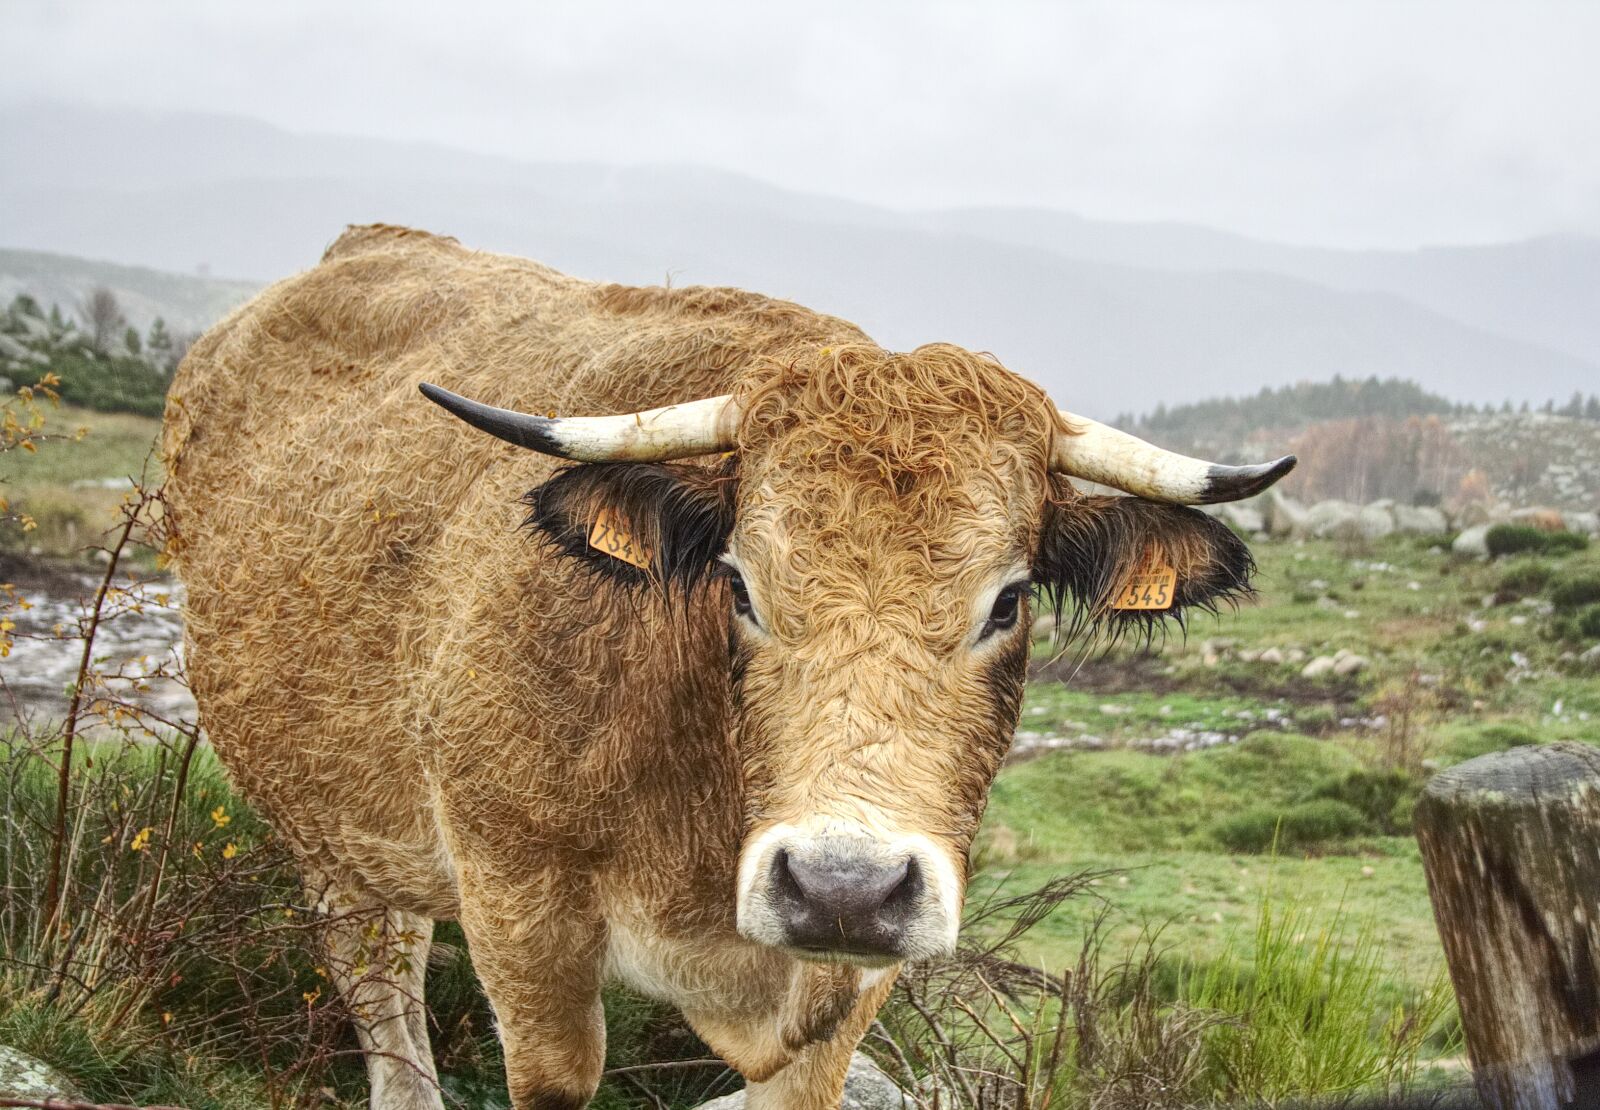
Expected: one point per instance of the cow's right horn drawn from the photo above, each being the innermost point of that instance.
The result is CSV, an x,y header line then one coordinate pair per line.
x,y
1114,458
700,427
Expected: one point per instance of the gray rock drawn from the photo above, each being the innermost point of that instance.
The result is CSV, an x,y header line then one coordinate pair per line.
x,y
1328,519
1474,542
1243,518
1374,522
1321,665
1283,514
1272,655
1586,523
866,1087
1349,665
21,1076
1420,520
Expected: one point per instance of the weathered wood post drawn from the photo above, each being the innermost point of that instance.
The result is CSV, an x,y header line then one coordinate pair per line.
x,y
1511,845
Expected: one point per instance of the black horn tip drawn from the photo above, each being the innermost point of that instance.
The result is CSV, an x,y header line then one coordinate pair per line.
x,y
523,429
1234,483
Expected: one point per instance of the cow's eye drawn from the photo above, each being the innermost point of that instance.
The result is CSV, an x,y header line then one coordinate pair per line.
x,y
1006,608
741,596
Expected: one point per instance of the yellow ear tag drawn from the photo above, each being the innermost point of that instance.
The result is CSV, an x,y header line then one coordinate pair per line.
x,y
609,536
1154,587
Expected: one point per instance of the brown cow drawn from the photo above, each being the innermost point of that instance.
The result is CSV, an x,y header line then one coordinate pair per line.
x,y
743,777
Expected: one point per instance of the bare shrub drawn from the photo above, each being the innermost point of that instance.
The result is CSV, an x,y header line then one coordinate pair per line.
x,y
102,317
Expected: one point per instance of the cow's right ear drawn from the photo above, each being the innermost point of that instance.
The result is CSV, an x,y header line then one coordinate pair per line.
x,y
666,523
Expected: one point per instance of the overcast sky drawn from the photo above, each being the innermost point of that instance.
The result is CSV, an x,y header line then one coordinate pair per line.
x,y
1344,123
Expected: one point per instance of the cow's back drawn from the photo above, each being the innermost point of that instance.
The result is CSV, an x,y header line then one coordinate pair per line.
x,y
336,533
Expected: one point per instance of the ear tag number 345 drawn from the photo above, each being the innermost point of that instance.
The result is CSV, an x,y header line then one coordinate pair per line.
x,y
1155,587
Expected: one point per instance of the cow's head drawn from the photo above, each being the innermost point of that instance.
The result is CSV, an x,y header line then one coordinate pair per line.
x,y
877,531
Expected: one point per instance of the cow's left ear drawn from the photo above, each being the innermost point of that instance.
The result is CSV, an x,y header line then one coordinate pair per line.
x,y
1091,547
634,523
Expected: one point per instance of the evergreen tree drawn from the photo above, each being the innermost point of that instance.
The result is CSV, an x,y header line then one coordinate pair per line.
x,y
131,340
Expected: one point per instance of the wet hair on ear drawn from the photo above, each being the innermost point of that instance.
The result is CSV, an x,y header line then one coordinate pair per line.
x,y
680,513
1089,547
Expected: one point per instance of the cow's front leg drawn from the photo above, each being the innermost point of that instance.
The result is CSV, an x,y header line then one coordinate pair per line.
x,y
538,948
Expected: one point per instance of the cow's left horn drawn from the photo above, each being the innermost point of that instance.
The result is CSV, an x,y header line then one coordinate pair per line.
x,y
700,427
1112,458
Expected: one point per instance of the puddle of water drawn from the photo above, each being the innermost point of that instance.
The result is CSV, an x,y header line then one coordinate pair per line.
x,y
46,648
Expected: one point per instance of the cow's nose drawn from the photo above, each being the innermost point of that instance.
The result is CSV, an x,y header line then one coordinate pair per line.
x,y
844,901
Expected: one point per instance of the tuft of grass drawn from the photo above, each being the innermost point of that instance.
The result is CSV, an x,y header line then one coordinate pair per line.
x,y
1575,590
1516,539
1312,1010
1524,577
1310,825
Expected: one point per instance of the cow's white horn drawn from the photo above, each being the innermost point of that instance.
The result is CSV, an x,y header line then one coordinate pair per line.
x,y
1112,458
701,427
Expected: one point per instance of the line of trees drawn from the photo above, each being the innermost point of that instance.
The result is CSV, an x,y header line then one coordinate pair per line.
x,y
1311,402
102,362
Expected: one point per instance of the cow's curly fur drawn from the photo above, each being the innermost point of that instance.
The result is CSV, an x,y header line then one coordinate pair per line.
x,y
449,722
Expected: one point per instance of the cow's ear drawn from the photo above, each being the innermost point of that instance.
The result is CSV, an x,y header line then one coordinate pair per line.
x,y
1091,547
636,523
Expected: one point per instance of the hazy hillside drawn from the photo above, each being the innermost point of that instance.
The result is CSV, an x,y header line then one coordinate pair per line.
x,y
186,303
1108,317
1544,291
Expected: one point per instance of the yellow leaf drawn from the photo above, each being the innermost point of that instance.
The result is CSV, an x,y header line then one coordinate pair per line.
x,y
27,445
220,818
230,850
141,839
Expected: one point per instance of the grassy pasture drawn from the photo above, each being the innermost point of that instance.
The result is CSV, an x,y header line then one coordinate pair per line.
x,y
1268,870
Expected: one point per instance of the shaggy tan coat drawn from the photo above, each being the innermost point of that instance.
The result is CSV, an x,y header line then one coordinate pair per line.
x,y
450,719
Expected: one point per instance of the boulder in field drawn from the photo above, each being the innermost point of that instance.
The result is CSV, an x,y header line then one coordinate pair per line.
x,y
1321,665
866,1087
1328,519
1374,522
1281,513
1473,542
1586,523
1420,520
1242,518
23,1077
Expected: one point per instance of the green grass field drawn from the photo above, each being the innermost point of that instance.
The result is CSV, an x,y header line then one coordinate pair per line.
x,y
72,488
1209,786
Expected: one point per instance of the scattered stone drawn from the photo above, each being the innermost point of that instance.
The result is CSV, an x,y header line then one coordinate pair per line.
x,y
1331,519
1321,665
1374,522
22,1076
1586,523
1473,542
1349,665
866,1087
1283,515
1272,656
1420,520
1242,518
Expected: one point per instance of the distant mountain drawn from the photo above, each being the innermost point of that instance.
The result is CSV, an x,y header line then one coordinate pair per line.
x,y
187,304
1544,291
1109,317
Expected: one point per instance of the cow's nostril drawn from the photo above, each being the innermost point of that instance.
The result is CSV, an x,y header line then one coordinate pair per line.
x,y
843,900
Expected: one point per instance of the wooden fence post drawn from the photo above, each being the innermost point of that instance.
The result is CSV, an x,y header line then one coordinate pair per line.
x,y
1511,845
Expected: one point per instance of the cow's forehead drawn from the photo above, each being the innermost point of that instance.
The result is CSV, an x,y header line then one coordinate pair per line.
x,y
885,487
